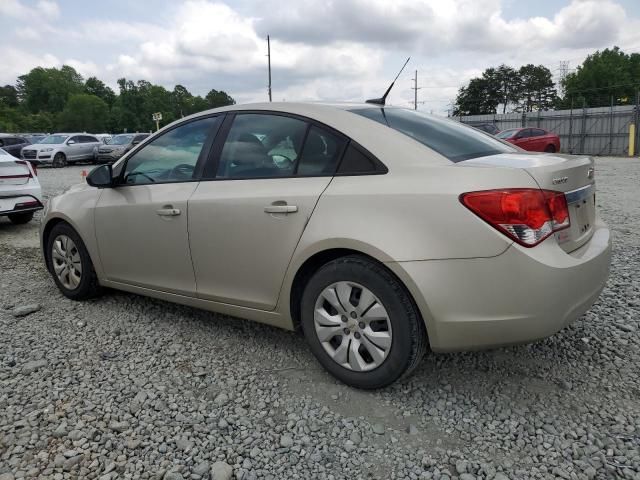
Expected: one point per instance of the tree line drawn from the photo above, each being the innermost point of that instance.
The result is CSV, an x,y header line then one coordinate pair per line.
x,y
60,99
605,77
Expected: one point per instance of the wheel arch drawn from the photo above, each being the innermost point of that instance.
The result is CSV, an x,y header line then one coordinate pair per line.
x,y
46,232
319,258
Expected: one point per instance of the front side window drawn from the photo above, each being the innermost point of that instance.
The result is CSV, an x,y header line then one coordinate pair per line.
x,y
171,157
261,146
451,139
121,139
537,132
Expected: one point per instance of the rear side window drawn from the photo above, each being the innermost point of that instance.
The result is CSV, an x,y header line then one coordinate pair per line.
x,y
356,161
321,152
451,139
536,132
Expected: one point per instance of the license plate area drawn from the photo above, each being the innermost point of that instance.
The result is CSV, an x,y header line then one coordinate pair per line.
x,y
582,212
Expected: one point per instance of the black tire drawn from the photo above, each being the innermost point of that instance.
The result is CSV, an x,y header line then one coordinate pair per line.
x,y
20,218
59,160
550,149
409,339
88,286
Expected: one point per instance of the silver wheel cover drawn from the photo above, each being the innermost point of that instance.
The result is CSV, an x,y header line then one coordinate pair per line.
x,y
352,326
67,264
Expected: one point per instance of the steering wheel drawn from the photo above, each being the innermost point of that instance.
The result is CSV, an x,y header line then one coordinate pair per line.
x,y
283,164
184,170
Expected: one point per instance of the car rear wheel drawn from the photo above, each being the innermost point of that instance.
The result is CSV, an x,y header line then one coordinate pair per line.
x,y
361,324
550,149
59,160
20,218
70,265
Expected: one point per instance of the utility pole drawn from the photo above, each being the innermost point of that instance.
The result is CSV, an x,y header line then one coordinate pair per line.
x,y
415,89
269,63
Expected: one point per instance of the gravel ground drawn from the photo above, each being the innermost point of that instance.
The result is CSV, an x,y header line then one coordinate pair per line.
x,y
129,387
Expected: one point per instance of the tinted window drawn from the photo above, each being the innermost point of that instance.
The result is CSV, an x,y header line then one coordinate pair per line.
x,y
74,139
356,161
139,138
536,132
171,157
526,133
88,139
10,141
261,145
321,153
451,139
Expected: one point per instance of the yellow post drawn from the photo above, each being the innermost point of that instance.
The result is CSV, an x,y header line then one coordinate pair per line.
x,y
632,140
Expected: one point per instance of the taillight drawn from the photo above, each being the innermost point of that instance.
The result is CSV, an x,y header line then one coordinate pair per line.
x,y
26,164
526,215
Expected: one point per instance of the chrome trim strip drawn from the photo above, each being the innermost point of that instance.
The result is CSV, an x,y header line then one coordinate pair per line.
x,y
575,196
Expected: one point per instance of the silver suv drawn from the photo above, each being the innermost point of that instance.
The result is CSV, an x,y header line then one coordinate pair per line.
x,y
61,149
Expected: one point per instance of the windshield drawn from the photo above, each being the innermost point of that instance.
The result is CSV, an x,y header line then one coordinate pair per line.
x,y
451,139
508,133
54,139
121,140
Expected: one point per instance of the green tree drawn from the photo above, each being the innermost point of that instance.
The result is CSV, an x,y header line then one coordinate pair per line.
x,y
536,90
604,74
217,99
48,89
9,96
477,98
94,86
84,112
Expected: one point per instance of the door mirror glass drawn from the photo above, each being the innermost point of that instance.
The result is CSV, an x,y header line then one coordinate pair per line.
x,y
71,142
101,177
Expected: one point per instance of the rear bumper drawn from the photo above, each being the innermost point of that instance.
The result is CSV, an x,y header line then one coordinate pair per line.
x,y
519,296
19,204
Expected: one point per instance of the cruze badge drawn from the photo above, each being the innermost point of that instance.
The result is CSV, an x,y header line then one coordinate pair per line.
x,y
558,181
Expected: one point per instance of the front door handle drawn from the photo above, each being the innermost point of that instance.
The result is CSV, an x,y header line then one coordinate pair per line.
x,y
168,212
280,209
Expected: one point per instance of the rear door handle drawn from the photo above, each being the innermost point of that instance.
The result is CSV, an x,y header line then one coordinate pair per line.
x,y
280,209
168,212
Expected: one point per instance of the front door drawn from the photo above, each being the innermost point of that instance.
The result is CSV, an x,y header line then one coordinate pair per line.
x,y
246,221
141,224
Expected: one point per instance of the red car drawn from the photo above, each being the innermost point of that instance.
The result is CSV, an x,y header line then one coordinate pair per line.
x,y
532,139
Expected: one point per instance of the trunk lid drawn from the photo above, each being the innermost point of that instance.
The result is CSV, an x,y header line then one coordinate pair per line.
x,y
572,175
14,172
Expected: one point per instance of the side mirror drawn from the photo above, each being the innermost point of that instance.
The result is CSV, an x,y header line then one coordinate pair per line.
x,y
135,142
71,142
101,177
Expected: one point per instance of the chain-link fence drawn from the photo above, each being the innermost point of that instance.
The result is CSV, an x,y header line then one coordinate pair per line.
x,y
582,130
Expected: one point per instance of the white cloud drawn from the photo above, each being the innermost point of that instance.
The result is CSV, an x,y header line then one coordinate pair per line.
x,y
44,9
16,62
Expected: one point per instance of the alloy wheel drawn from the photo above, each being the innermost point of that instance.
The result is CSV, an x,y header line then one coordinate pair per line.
x,y
353,326
67,263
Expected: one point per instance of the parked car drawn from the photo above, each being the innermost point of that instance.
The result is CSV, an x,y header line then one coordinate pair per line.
x,y
118,146
33,137
484,126
532,139
376,230
20,192
61,149
13,144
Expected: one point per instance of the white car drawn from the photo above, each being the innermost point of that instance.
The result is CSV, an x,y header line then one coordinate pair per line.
x,y
61,149
20,192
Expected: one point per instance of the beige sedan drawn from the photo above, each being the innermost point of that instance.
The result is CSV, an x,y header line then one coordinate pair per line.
x,y
377,231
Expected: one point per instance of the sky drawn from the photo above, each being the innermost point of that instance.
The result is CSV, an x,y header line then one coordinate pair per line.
x,y
336,50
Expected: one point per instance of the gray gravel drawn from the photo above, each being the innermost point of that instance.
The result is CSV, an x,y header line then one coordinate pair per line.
x,y
129,387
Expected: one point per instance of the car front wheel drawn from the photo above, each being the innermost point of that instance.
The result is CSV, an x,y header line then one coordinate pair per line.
x,y
70,264
361,324
59,160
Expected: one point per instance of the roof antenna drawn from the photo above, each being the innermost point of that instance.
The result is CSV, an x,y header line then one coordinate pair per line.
x,y
381,100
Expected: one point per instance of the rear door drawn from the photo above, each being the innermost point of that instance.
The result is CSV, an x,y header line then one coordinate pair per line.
x,y
245,221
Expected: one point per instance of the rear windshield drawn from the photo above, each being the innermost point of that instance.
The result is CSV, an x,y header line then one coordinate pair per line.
x,y
451,139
